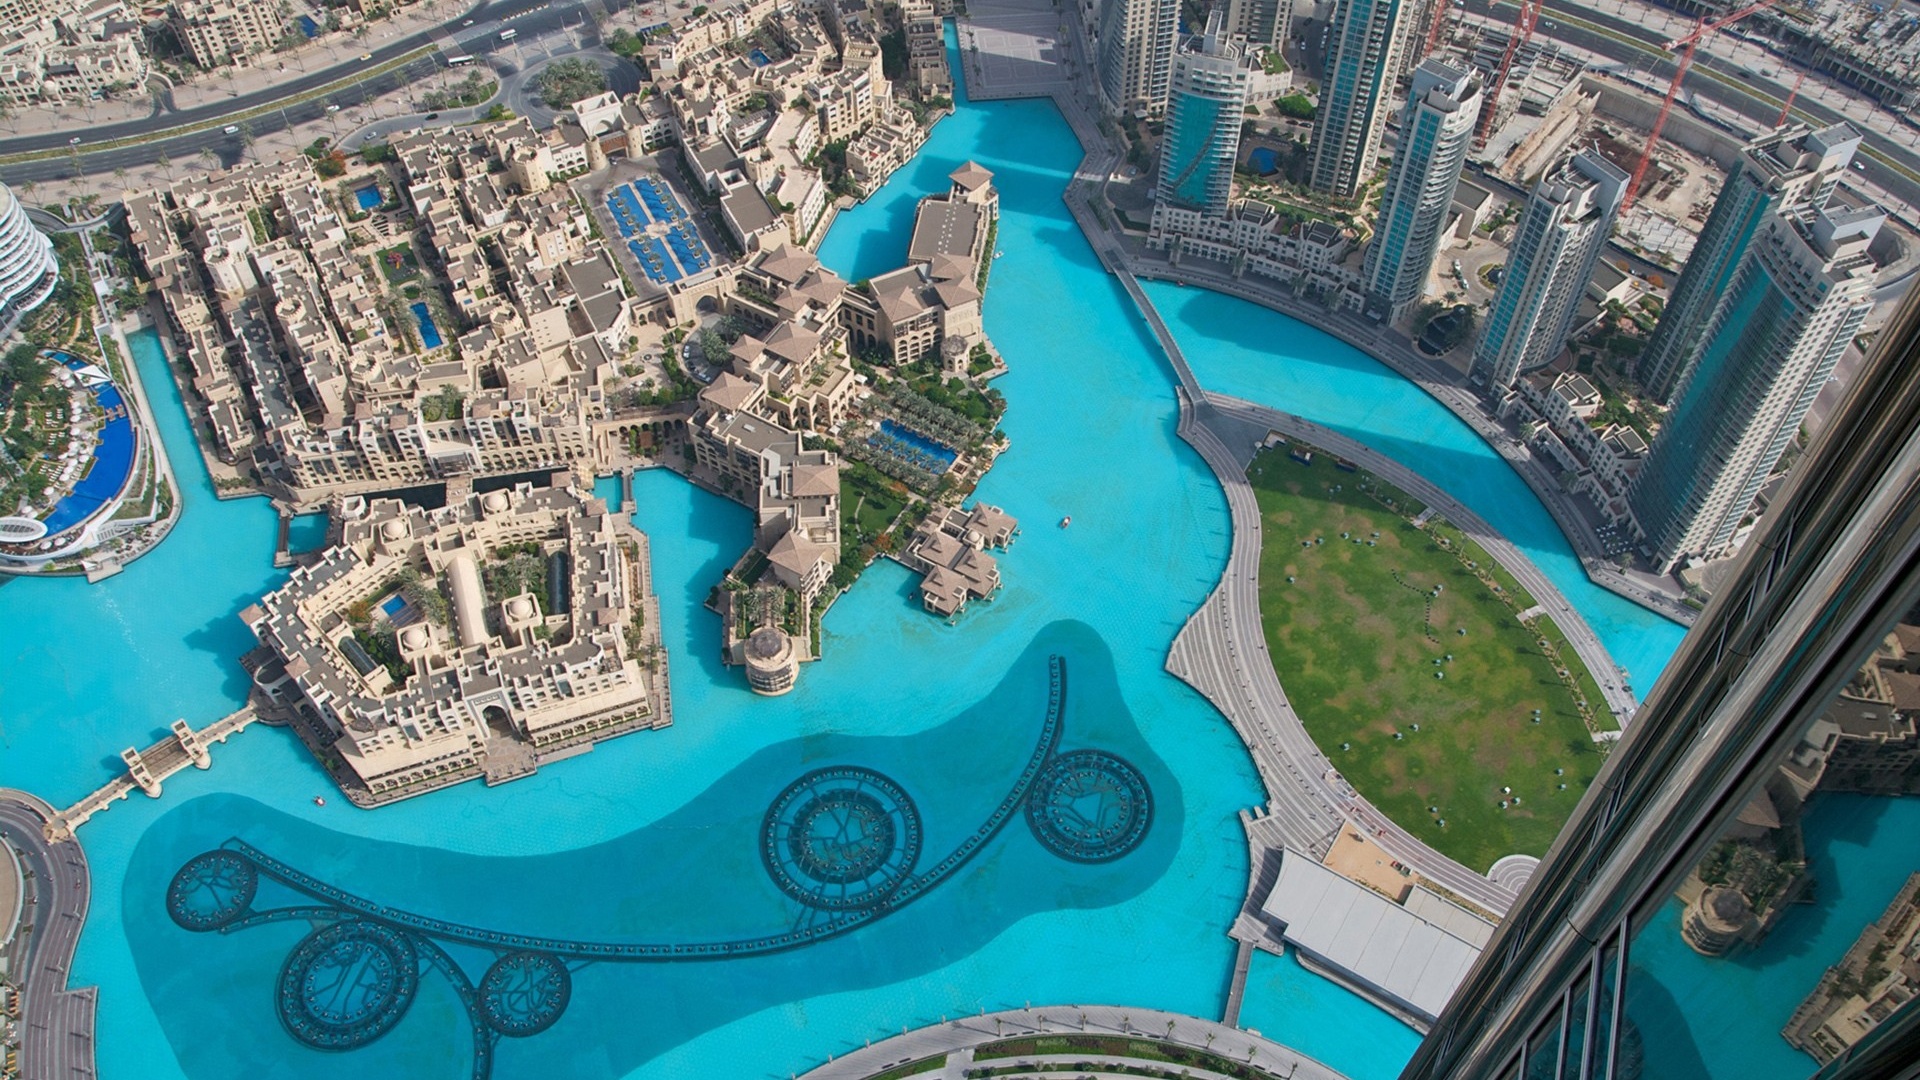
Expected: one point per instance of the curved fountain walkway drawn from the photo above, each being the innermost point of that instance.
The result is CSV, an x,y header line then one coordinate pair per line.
x,y
959,1038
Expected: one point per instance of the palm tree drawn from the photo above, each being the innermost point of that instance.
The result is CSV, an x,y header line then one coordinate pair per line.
x,y
166,163
208,158
120,175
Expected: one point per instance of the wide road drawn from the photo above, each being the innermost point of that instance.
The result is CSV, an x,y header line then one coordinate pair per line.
x,y
530,18
1740,87
57,1040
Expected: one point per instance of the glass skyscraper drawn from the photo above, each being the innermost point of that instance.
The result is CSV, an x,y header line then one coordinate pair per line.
x,y
1790,169
1561,235
1436,128
1204,113
1364,42
1737,897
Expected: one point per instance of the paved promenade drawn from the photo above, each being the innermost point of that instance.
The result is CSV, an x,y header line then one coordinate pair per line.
x,y
1222,652
1586,644
57,1023
961,1036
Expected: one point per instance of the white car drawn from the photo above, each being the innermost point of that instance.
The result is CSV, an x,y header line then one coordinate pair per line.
x,y
333,108
231,129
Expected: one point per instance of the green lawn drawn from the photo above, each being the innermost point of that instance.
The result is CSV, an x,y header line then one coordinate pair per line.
x,y
1355,638
398,263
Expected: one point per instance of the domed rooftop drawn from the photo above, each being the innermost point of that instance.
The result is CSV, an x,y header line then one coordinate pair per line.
x,y
1727,905
414,638
494,502
768,646
394,529
520,607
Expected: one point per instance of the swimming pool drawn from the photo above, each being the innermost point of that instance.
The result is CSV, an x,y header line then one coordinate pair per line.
x,y
760,58
1263,160
368,197
111,462
938,451
429,333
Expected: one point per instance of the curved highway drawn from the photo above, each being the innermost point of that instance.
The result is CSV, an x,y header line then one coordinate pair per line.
x,y
475,32
57,1034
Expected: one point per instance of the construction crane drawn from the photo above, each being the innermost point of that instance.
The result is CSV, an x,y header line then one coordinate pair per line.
x,y
1523,25
1686,46
1439,25
1787,109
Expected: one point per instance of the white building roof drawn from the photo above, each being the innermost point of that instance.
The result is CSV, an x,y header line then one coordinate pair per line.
x,y
1371,940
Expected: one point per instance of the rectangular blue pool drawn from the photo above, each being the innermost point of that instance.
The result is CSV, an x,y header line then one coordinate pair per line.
x,y
394,605
760,58
368,197
938,451
429,333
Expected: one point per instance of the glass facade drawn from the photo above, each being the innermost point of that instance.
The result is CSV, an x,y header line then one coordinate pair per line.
x,y
1738,896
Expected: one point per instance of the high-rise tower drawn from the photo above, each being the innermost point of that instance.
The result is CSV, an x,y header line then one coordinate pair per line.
x,y
1136,53
1259,22
1204,112
28,269
1743,797
1788,313
1561,236
1364,43
1785,171
1436,128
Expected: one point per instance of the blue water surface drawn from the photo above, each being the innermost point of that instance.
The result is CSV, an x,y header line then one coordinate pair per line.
x,y
429,333
938,450
368,197
1263,160
161,639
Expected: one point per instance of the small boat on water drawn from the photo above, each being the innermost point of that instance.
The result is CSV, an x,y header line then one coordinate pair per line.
x,y
1066,521
318,801
997,254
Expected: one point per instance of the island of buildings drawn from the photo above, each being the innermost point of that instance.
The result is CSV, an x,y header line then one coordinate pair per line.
x,y
427,647
492,305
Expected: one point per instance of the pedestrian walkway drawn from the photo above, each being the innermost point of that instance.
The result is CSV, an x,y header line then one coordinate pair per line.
x,y
963,1037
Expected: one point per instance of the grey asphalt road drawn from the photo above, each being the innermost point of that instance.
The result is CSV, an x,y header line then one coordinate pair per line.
x,y
533,19
58,1032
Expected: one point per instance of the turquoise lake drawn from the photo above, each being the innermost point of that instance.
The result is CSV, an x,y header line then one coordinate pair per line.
x,y
1092,422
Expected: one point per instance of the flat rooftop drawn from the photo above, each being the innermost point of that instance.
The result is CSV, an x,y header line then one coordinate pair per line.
x,y
1378,945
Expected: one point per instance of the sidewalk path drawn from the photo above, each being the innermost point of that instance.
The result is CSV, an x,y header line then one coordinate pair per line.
x,y
967,1033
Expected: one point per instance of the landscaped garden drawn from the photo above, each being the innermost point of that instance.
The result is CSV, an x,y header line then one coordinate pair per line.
x,y
398,263
1403,651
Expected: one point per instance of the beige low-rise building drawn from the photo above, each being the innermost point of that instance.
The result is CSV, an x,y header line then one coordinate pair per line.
x,y
219,32
948,550
430,647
